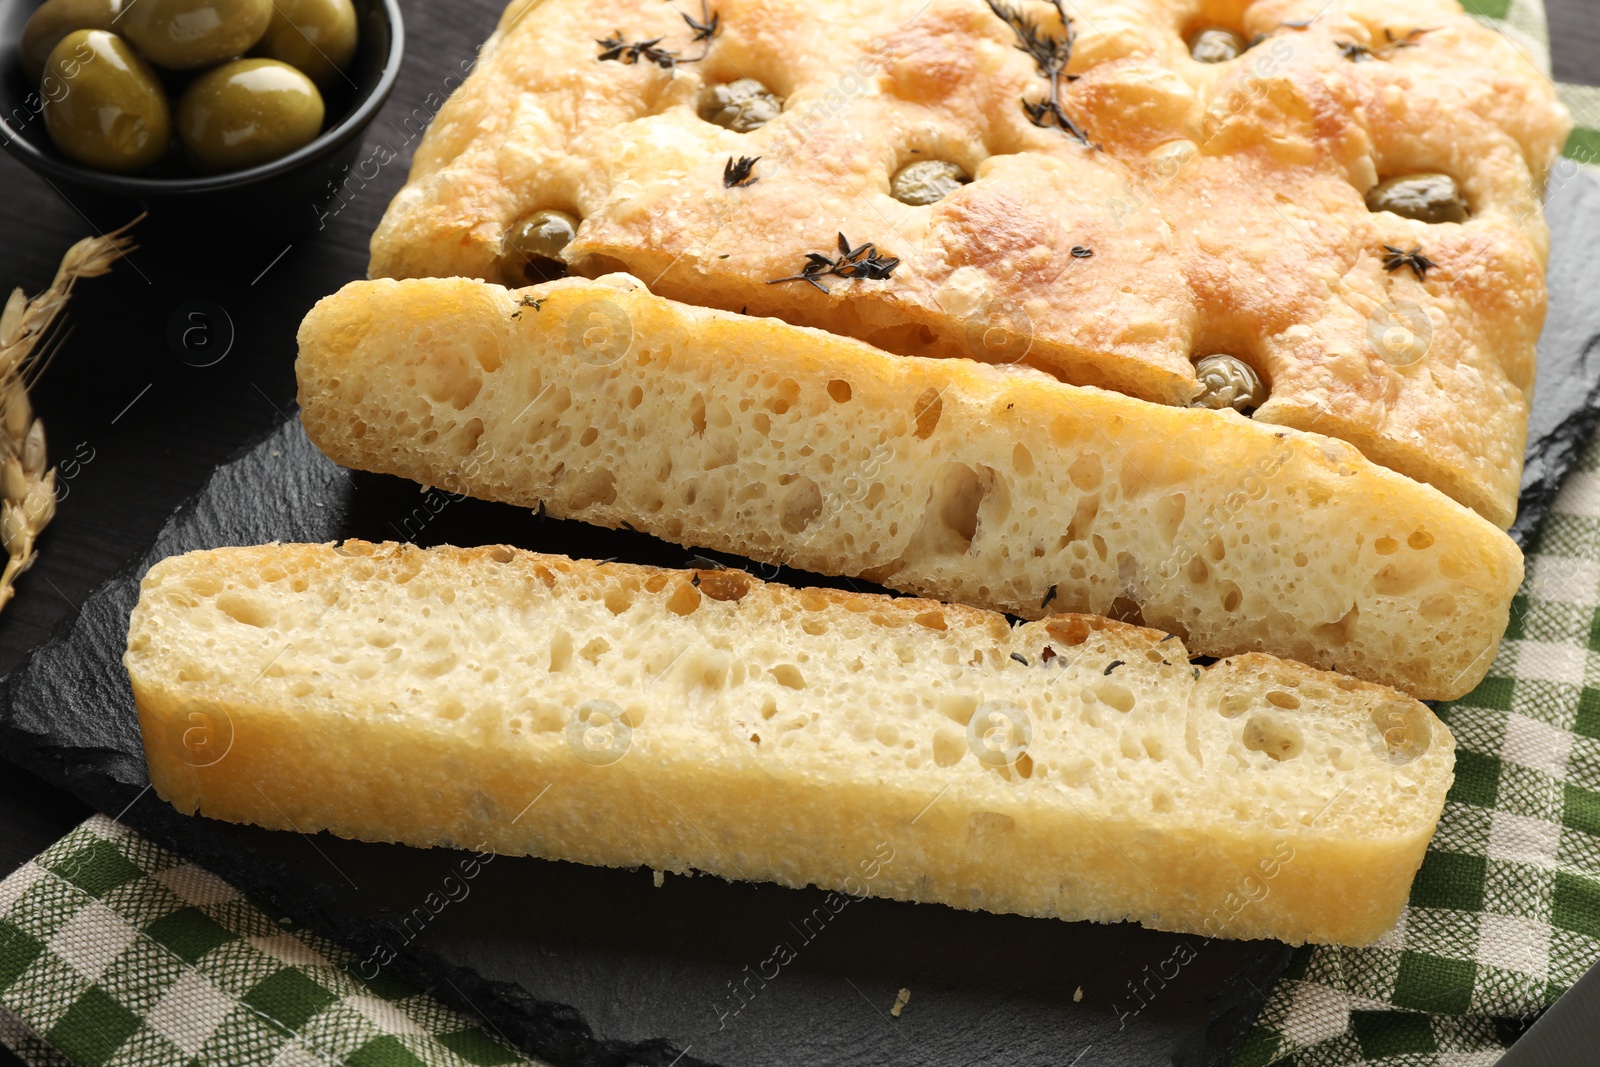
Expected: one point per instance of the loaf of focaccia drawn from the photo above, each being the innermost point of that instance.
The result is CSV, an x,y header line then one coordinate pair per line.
x,y
1002,488
621,715
1175,209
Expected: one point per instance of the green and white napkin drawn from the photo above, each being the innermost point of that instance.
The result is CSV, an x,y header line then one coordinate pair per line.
x,y
116,953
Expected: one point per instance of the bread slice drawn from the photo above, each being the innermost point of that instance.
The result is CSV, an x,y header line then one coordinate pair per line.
x,y
622,715
1001,488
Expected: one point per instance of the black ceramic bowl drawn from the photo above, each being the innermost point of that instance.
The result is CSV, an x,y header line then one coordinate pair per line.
x,y
257,205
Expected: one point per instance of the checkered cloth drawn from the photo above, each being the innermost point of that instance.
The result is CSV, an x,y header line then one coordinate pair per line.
x,y
116,953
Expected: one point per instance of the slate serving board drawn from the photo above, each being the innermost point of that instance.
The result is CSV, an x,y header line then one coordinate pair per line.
x,y
588,966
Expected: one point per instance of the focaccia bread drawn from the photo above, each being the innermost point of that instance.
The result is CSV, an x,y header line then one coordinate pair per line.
x,y
1208,207
1071,768
999,487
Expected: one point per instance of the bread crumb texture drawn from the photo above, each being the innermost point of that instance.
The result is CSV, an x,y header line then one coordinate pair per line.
x,y
1001,488
702,720
1223,203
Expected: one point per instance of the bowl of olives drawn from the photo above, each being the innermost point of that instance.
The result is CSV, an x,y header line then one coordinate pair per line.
x,y
241,113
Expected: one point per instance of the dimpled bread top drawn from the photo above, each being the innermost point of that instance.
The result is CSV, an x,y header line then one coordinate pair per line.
x,y
1216,208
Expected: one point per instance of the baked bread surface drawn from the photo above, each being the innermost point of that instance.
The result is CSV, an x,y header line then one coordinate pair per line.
x,y
448,697
998,487
1223,208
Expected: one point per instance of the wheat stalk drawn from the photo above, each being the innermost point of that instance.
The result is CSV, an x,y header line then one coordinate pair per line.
x,y
28,338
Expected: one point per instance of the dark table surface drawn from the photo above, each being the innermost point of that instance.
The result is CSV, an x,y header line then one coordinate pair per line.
x,y
147,426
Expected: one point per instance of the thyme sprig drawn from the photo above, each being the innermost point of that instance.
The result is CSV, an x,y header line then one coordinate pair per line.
x,y
1360,53
1396,258
1050,54
739,173
861,261
619,49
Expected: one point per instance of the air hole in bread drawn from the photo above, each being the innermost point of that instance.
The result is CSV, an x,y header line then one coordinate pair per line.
x,y
788,392
801,505
1279,698
1273,736
1420,539
1126,609
1022,460
1116,695
1397,579
789,676
926,412
1386,546
1403,731
1231,596
839,389
592,487
697,413
1438,606
560,651
247,609
684,600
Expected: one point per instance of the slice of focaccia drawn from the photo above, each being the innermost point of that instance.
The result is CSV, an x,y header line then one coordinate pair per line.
x,y
1000,488
1166,210
622,715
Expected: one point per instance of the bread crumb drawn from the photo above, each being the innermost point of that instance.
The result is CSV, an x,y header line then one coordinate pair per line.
x,y
1077,995
658,877
900,1001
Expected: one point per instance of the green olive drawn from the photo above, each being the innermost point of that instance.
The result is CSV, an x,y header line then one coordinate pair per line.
x,y
53,20
248,112
111,113
926,181
317,36
531,250
1424,197
1227,382
1215,45
741,106
185,34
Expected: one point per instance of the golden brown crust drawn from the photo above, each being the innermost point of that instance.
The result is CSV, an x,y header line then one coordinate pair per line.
x,y
1225,211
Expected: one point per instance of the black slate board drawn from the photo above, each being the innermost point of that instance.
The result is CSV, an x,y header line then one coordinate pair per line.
x,y
590,966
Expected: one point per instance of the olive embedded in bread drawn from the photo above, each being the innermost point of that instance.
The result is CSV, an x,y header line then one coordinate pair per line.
x,y
113,115
1423,197
248,112
315,36
185,34
53,20
741,106
1215,45
1228,382
926,181
531,251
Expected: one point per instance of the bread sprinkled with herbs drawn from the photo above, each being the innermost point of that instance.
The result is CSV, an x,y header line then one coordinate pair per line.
x,y
1001,488
702,720
1238,181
